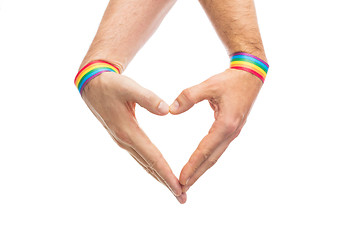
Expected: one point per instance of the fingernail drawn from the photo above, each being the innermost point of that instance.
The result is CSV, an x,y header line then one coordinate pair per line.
x,y
174,106
182,198
187,181
175,194
163,107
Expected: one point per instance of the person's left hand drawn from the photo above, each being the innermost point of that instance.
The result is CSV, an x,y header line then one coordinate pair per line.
x,y
231,95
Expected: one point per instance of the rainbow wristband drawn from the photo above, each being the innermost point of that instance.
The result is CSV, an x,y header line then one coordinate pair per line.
x,y
249,63
91,70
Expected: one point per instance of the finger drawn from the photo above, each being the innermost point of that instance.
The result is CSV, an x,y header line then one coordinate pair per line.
x,y
182,198
136,156
220,132
132,153
191,96
155,161
150,101
207,164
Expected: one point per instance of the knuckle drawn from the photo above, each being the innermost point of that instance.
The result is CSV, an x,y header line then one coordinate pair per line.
x,y
229,126
149,97
187,95
236,133
212,162
238,130
123,137
192,167
202,154
143,98
149,170
153,164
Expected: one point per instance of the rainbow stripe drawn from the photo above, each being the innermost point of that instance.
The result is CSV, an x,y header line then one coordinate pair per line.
x,y
91,70
249,63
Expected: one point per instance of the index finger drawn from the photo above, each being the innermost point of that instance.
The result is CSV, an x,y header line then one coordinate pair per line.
x,y
144,164
155,161
218,138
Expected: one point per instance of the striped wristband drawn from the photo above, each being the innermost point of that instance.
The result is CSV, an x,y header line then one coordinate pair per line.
x,y
91,70
249,63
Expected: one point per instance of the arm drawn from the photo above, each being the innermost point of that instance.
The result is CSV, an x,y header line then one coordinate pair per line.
x,y
112,97
125,28
231,93
236,25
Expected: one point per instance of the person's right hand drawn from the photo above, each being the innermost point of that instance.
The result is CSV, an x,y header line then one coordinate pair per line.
x,y
112,98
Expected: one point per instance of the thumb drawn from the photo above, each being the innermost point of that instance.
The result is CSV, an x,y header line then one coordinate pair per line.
x,y
189,97
150,101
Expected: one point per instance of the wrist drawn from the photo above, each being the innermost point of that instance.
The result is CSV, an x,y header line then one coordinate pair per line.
x,y
91,70
257,51
116,63
250,63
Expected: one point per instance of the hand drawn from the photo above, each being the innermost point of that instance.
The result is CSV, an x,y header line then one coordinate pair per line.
x,y
112,98
231,95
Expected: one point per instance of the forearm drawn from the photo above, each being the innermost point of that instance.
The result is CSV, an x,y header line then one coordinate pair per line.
x,y
124,29
236,24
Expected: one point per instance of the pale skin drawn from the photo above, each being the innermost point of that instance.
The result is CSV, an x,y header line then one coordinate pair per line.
x,y
231,93
112,97
124,29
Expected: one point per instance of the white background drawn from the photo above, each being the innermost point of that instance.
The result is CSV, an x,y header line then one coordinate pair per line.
x,y
293,173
